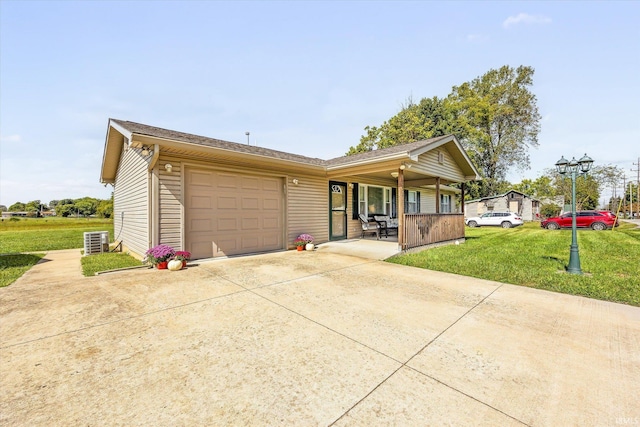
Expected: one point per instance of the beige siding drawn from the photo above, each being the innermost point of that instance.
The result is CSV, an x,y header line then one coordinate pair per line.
x,y
307,208
171,210
447,170
131,210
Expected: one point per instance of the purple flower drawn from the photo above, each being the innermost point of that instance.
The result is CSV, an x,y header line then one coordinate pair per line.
x,y
306,237
160,253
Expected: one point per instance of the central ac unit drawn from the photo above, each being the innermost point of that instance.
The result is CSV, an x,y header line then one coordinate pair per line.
x,y
96,242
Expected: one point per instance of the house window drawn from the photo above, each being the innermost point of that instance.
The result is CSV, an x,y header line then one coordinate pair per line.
x,y
445,203
413,202
374,200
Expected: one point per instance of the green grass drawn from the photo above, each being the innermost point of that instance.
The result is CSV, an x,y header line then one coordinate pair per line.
x,y
15,265
534,257
46,234
108,261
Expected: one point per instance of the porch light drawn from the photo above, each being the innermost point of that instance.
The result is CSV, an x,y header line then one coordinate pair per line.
x,y
146,150
168,167
394,174
295,181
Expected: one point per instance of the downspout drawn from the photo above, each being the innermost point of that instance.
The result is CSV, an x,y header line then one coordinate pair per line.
x,y
154,198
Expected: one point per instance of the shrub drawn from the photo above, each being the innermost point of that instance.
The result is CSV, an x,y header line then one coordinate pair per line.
x,y
548,210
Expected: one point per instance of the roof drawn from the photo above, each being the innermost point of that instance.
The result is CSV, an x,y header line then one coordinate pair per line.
x,y
404,151
497,196
141,129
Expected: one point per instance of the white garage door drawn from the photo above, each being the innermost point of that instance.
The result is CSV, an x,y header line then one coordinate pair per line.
x,y
229,213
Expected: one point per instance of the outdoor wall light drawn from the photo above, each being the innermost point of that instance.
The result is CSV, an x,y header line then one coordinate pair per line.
x,y
146,150
295,181
168,167
402,166
394,174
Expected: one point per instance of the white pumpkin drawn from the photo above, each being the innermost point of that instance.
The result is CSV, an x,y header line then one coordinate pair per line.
x,y
174,265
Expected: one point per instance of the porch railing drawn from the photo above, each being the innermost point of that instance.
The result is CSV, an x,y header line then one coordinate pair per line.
x,y
426,229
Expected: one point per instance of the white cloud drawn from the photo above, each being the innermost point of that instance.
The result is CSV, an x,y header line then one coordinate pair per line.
x,y
11,138
525,18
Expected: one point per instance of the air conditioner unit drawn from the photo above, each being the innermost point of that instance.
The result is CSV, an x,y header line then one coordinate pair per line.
x,y
96,242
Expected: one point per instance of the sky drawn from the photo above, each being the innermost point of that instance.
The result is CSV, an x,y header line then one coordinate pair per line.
x,y
302,77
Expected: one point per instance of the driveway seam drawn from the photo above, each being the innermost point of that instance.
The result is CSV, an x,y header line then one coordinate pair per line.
x,y
429,376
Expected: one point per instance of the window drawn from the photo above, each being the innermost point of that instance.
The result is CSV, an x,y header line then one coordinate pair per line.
x,y
412,206
374,200
445,203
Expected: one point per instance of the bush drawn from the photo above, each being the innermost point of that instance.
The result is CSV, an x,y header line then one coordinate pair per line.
x,y
548,210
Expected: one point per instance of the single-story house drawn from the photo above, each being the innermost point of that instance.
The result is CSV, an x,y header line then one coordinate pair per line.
x,y
513,201
219,198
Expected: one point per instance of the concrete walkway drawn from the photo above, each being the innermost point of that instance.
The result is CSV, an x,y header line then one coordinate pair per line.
x,y
308,338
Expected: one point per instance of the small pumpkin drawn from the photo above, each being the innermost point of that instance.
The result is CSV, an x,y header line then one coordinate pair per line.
x,y
174,265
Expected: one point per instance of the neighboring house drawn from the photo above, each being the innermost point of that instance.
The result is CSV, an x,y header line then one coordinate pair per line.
x,y
218,198
513,201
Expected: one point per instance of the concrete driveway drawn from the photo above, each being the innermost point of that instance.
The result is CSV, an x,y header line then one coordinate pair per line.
x,y
309,338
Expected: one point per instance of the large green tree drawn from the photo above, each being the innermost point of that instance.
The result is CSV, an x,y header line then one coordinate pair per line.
x,y
495,117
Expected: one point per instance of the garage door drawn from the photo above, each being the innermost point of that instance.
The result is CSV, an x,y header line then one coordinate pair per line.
x,y
228,213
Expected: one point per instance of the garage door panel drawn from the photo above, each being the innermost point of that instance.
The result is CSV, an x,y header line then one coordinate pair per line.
x,y
200,202
252,203
270,223
250,224
244,213
250,183
228,202
227,224
201,224
200,179
271,185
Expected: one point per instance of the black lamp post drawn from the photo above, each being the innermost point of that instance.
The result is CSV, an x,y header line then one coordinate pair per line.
x,y
575,168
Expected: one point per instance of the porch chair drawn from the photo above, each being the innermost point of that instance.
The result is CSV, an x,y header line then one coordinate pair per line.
x,y
387,224
369,226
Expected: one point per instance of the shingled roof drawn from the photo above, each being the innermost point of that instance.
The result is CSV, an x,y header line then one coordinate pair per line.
x,y
142,129
157,132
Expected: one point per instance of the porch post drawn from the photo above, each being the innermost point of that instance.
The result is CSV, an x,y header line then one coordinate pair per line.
x,y
400,205
462,197
437,195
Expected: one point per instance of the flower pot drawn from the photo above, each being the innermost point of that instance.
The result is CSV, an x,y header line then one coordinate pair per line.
x,y
300,248
162,265
184,263
309,246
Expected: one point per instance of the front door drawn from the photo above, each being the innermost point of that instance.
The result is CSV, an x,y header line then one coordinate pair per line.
x,y
337,210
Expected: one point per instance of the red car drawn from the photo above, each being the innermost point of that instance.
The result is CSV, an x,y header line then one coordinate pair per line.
x,y
596,220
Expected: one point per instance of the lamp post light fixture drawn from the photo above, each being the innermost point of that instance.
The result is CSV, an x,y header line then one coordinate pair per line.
x,y
574,168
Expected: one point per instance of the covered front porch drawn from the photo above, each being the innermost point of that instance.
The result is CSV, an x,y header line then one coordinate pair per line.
x,y
417,186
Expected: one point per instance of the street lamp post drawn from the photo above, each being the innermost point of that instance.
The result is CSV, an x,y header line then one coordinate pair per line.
x,y
574,168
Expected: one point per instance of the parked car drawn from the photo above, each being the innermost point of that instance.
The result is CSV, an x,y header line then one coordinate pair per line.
x,y
596,220
501,219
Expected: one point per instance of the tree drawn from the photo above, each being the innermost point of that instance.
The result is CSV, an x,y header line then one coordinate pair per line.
x,y
501,121
495,117
17,207
65,210
105,208
3,208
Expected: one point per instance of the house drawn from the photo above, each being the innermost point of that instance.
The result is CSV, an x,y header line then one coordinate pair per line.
x,y
513,201
219,198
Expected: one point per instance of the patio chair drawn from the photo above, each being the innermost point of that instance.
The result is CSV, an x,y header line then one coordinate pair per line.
x,y
369,226
387,224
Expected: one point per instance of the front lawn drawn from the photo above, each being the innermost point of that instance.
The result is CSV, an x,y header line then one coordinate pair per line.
x,y
48,234
12,266
535,257
107,261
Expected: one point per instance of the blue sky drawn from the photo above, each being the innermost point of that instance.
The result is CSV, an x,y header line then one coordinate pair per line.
x,y
302,77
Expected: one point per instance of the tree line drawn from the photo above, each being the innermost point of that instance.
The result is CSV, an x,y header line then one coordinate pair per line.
x,y
85,207
495,117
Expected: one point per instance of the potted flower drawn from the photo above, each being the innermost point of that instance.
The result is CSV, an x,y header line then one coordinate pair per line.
x,y
300,244
308,241
159,256
183,256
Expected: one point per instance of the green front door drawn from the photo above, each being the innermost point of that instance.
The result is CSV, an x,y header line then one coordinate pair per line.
x,y
337,210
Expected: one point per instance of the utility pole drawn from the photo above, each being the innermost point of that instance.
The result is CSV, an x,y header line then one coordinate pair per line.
x,y
637,170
